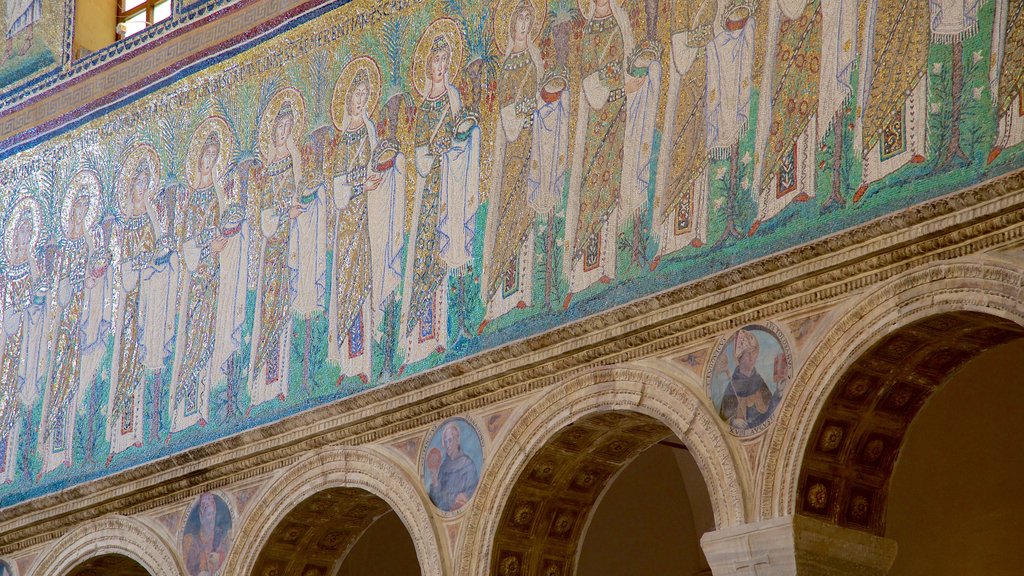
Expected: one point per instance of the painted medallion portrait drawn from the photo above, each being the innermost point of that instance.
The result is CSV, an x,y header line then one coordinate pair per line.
x,y
451,464
748,375
207,535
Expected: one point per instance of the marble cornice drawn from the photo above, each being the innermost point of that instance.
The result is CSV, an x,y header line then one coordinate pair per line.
x,y
821,272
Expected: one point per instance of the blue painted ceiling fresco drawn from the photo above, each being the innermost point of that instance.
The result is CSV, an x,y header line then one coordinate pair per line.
x,y
396,185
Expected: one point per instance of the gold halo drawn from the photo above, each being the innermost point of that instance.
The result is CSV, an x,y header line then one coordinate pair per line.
x,y
212,124
348,73
29,203
135,157
266,129
452,33
584,6
503,19
89,181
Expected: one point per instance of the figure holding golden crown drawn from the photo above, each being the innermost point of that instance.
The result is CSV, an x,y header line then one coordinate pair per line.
x,y
279,203
619,85
79,270
369,195
526,134
214,237
149,271
22,291
447,162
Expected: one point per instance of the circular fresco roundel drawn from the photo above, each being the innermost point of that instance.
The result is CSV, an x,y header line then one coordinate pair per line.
x,y
451,463
207,535
747,376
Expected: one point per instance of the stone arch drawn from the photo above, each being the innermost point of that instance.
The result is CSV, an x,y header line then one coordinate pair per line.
x,y
980,299
677,407
121,535
355,469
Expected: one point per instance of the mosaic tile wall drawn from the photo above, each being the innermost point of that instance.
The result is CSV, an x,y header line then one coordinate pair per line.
x,y
37,52
37,40
398,184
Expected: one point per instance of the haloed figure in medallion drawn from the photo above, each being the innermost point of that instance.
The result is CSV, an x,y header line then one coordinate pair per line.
x,y
511,218
279,207
370,200
747,401
207,536
447,193
149,274
21,240
454,480
213,243
78,314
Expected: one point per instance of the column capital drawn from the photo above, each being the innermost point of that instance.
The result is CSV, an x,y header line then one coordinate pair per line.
x,y
796,545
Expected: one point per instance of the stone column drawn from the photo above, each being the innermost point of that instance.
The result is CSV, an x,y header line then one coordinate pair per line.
x,y
797,546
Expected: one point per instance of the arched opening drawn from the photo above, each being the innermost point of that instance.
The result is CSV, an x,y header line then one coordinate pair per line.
x,y
879,457
955,506
614,492
109,565
324,510
339,531
111,544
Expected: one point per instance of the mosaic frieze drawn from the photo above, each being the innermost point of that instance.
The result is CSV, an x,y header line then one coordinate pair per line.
x,y
395,185
37,35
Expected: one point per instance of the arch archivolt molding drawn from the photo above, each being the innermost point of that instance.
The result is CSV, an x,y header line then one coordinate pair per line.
x,y
977,284
366,468
115,534
680,405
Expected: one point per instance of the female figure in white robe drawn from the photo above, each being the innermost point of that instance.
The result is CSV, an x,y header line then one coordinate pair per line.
x,y
893,89
21,239
75,282
681,198
787,137
307,248
148,280
511,219
611,147
213,242
371,222
1006,75
730,79
279,207
234,279
447,192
